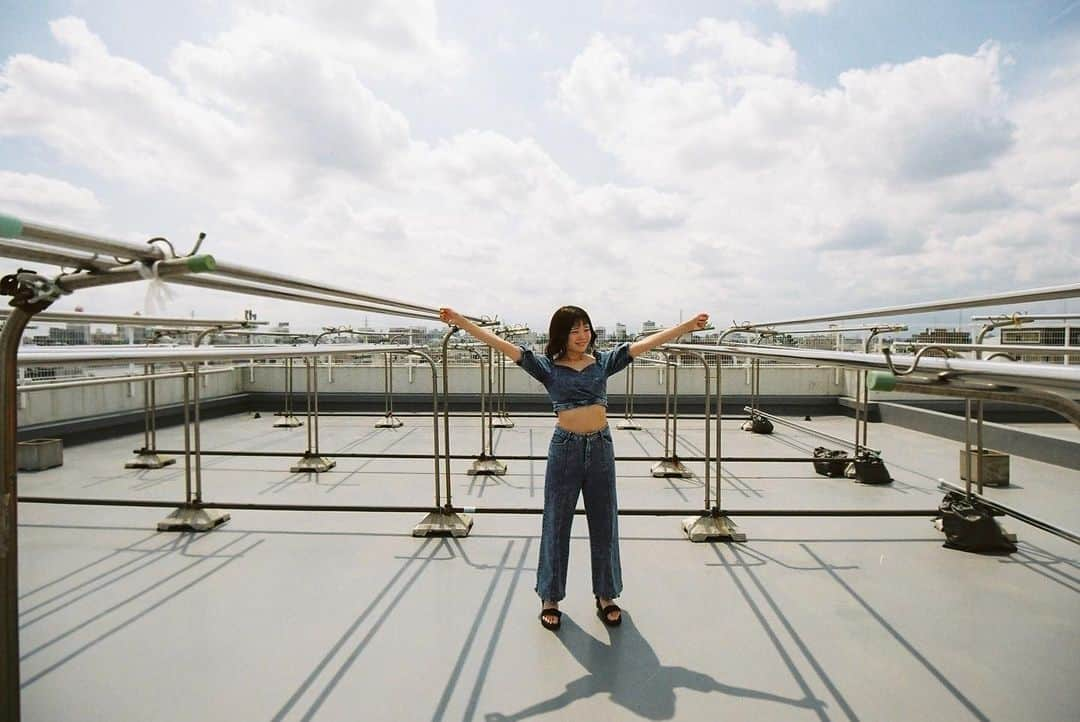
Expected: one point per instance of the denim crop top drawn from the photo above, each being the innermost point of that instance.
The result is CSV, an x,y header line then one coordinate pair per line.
x,y
568,388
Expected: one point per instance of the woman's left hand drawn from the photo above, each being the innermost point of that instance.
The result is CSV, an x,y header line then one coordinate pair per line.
x,y
699,322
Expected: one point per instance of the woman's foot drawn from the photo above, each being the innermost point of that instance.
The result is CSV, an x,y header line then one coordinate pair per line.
x,y
550,616
608,611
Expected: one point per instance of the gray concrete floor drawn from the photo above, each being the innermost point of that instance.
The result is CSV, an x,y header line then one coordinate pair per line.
x,y
335,616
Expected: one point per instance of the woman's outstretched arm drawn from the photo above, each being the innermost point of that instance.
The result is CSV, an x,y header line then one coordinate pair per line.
x,y
454,318
661,337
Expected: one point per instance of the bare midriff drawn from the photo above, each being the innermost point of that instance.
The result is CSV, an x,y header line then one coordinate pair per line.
x,y
583,419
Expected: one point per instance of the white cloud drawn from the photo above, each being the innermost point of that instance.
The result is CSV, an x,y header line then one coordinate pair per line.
x,y
306,106
734,47
929,118
905,167
111,115
399,40
791,7
36,196
262,109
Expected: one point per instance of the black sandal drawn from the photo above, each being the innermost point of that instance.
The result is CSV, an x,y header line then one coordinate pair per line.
x,y
603,613
553,626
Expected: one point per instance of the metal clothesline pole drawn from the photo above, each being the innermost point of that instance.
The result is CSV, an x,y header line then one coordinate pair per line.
x,y
1049,293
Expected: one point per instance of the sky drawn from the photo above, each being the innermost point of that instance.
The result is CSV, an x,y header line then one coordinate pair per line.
x,y
752,159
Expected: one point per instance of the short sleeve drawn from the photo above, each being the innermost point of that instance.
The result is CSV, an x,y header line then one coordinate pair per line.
x,y
616,359
539,367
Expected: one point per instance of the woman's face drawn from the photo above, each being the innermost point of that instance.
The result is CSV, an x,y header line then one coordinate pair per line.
x,y
580,335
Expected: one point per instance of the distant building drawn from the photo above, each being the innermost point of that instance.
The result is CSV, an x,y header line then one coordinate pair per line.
x,y
942,335
819,341
76,333
1049,335
620,332
650,327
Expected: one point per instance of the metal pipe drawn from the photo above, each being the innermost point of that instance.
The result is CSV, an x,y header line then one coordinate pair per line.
x,y
197,431
434,416
869,327
967,448
719,418
491,402
36,254
387,374
166,270
446,411
667,404
307,404
484,421
152,354
512,457
1017,319
187,440
705,364
68,239
675,410
148,370
55,236
485,510
941,369
10,336
288,387
315,399
256,290
1049,293
106,380
862,393
1010,348
250,274
820,434
60,317
1032,397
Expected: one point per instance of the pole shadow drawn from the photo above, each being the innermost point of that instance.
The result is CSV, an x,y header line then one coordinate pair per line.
x,y
629,672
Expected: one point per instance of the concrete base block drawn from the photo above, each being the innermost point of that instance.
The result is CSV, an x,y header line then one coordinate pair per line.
x,y
145,459
288,422
708,528
389,422
38,454
628,426
444,523
312,463
670,467
193,518
502,422
995,467
487,465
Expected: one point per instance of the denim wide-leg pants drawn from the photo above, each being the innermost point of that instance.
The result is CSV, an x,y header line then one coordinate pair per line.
x,y
579,464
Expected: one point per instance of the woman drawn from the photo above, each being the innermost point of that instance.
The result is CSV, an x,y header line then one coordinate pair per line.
x,y
581,458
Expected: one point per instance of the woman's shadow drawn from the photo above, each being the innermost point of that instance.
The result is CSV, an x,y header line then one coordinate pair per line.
x,y
629,671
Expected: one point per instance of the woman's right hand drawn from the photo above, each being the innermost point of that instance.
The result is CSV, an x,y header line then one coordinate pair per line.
x,y
451,317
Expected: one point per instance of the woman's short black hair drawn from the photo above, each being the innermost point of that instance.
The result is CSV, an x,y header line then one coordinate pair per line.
x,y
559,332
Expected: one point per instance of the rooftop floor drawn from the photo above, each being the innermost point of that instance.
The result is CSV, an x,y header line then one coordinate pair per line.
x,y
336,616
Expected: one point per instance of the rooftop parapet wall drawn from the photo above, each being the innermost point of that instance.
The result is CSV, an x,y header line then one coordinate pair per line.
x,y
46,406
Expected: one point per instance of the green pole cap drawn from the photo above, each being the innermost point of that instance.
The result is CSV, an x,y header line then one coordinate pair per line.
x,y
10,226
201,264
880,381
